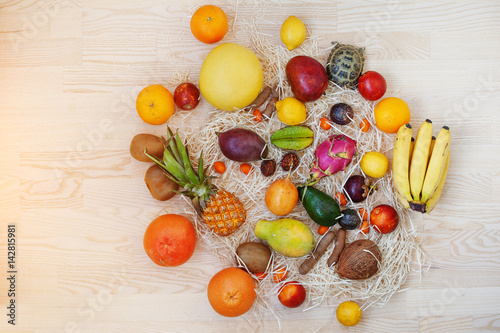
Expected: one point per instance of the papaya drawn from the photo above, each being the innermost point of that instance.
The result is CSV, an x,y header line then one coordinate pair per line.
x,y
288,237
321,207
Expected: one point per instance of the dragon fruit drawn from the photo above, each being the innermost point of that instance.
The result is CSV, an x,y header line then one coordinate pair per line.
x,y
332,156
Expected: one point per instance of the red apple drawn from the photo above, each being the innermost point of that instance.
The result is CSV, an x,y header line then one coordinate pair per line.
x,y
372,85
384,219
307,78
292,294
186,96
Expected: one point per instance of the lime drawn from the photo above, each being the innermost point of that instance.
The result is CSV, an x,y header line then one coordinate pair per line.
x,y
374,164
348,313
291,111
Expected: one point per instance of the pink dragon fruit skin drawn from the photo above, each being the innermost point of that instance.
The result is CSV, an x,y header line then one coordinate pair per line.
x,y
332,156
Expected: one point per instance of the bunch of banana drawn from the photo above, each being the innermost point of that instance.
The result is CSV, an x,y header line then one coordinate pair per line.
x,y
420,166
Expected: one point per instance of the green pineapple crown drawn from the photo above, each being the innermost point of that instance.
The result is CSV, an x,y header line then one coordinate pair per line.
x,y
177,166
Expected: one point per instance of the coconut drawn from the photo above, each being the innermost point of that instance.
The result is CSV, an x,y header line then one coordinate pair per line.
x,y
359,260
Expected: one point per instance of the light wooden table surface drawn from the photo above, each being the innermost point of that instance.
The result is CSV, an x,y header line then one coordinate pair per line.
x,y
70,71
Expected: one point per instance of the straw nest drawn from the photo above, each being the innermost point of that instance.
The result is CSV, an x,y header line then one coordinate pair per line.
x,y
400,249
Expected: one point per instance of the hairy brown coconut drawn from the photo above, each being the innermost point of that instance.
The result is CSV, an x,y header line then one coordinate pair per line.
x,y
359,260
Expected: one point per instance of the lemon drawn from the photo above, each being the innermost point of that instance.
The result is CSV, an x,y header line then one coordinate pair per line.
x,y
293,32
291,111
374,164
231,77
348,313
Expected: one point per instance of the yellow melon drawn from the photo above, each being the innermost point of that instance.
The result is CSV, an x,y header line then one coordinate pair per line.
x,y
231,77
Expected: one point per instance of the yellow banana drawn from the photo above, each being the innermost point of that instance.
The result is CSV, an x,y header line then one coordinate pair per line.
x,y
431,203
420,158
437,164
431,149
412,146
400,161
402,201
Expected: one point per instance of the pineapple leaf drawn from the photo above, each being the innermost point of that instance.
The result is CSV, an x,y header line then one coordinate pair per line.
x,y
201,172
170,165
172,179
188,168
171,144
174,167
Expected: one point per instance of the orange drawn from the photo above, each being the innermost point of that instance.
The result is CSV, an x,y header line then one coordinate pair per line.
x,y
231,292
209,24
391,113
155,104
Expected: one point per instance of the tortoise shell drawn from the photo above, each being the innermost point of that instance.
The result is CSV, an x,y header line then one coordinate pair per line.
x,y
345,65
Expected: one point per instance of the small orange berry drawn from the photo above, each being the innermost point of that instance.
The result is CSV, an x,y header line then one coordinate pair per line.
x,y
219,167
364,125
245,168
365,227
341,198
322,229
280,274
364,214
325,124
257,115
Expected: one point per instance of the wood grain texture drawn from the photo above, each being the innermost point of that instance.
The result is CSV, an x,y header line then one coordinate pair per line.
x,y
70,71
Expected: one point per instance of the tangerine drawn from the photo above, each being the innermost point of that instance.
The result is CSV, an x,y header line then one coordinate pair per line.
x,y
209,24
155,104
391,113
231,292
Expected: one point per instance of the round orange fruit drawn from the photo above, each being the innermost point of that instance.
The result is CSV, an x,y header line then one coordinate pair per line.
x,y
170,240
209,24
391,113
231,292
155,104
281,196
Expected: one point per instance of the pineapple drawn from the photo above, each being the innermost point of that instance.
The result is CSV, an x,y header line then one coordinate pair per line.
x,y
221,210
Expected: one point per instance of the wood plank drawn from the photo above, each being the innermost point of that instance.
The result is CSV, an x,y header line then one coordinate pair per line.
x,y
120,50
41,52
68,22
442,16
452,301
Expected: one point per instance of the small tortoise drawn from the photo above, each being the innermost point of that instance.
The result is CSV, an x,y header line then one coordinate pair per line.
x,y
345,65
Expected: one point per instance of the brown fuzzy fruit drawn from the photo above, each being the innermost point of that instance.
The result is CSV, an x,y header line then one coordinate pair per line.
x,y
160,186
359,260
255,255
